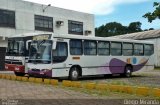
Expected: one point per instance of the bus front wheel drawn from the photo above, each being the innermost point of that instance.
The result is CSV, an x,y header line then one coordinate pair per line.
x,y
74,73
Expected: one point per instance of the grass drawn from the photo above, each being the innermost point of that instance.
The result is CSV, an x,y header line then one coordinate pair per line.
x,y
157,68
109,95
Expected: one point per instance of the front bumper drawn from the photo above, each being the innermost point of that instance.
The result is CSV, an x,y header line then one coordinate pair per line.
x,y
40,73
10,67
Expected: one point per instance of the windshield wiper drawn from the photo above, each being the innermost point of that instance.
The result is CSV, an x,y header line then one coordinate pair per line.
x,y
41,43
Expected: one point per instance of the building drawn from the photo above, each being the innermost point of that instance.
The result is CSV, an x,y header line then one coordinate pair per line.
x,y
152,35
19,17
3,46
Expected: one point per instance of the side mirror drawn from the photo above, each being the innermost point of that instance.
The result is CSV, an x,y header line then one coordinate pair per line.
x,y
54,45
28,43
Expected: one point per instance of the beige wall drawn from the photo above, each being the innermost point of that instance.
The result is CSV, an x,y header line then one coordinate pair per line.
x,y
156,51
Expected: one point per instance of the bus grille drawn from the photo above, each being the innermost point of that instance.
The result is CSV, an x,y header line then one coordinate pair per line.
x,y
18,62
36,70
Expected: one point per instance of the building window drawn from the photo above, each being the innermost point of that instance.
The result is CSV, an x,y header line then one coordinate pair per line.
x,y
75,27
103,48
76,47
43,23
138,49
90,47
7,18
127,49
116,48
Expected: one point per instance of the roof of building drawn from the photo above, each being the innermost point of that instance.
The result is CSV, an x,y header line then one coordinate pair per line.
x,y
99,38
141,35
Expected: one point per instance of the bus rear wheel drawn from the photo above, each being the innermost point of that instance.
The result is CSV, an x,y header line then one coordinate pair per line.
x,y
74,73
128,71
19,74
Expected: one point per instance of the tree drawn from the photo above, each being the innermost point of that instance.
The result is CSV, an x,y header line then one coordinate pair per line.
x,y
134,27
148,29
155,14
110,29
99,31
151,28
145,30
115,28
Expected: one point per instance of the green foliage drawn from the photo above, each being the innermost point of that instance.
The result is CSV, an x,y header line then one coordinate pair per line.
x,y
155,14
110,29
114,28
151,28
157,68
134,27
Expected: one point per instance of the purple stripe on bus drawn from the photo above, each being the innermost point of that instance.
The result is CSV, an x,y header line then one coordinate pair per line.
x,y
118,66
47,73
139,66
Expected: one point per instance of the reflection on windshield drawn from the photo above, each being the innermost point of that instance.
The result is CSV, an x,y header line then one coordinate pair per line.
x,y
40,51
15,48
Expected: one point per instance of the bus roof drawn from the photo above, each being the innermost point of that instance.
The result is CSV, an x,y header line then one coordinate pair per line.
x,y
101,38
83,37
28,34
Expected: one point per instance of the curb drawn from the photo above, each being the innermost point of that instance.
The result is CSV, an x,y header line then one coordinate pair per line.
x,y
141,91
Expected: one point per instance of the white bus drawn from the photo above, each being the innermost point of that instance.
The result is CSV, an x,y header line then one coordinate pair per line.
x,y
77,56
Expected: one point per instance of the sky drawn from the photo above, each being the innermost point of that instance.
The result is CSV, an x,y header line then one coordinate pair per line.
x,y
105,11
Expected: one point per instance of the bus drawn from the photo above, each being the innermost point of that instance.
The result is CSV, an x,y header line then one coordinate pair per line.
x,y
17,53
77,56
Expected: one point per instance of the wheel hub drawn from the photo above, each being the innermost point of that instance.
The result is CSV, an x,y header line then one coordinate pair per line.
x,y
74,74
128,73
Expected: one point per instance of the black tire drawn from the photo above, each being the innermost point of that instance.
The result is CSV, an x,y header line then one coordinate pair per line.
x,y
108,76
128,71
19,74
74,73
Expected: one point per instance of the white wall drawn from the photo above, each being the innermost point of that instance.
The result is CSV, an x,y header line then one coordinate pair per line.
x,y
25,12
3,42
156,51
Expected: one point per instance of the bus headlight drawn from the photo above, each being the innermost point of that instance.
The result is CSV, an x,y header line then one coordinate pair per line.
x,y
45,70
16,68
6,67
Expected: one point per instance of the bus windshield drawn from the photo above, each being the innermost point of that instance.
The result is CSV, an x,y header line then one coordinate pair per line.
x,y
15,48
40,52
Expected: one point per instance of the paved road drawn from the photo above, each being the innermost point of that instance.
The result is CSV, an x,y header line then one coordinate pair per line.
x,y
40,94
26,93
25,90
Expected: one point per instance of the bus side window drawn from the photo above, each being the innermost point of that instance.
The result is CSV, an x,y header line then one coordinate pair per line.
x,y
148,49
103,48
76,47
90,47
138,49
60,53
127,49
116,48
